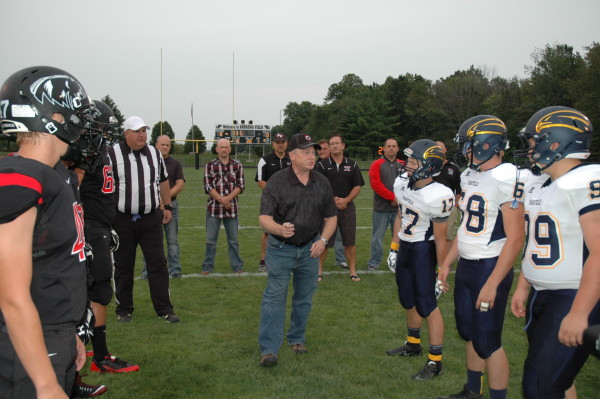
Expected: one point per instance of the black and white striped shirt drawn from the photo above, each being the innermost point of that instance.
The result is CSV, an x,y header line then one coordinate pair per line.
x,y
137,176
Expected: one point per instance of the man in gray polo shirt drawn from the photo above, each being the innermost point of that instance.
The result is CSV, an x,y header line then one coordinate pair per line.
x,y
295,205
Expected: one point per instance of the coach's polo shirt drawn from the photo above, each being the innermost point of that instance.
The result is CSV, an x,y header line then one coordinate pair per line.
x,y
286,199
343,177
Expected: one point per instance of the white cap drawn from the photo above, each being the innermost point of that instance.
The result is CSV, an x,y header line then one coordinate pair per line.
x,y
134,123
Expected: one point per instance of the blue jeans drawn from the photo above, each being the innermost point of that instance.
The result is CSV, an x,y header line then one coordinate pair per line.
x,y
171,230
213,225
282,260
381,221
340,254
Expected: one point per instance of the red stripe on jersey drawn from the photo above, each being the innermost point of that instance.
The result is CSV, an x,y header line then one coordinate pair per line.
x,y
17,179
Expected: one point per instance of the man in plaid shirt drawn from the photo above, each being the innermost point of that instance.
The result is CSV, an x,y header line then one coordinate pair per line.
x,y
223,182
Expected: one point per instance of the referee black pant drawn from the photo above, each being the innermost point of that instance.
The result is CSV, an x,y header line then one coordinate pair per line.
x,y
147,231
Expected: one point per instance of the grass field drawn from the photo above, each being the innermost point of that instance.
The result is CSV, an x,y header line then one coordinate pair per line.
x,y
213,352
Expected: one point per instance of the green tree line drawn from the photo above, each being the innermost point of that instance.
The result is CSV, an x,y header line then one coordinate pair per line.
x,y
410,107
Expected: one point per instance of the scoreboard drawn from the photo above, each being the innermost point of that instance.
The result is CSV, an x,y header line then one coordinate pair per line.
x,y
244,134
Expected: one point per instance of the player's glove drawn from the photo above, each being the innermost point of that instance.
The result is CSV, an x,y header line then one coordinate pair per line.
x,y
391,260
114,241
85,328
89,254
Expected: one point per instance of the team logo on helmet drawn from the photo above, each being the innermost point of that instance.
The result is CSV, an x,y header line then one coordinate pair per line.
x,y
486,126
59,90
433,152
579,122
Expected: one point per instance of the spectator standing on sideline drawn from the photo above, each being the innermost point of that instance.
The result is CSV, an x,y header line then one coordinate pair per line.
x,y
142,185
176,183
223,182
97,192
39,347
561,264
268,165
346,181
295,205
418,246
488,241
340,257
450,177
382,174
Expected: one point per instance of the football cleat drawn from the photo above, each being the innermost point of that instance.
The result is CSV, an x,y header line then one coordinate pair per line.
x,y
431,369
83,390
406,350
464,394
113,365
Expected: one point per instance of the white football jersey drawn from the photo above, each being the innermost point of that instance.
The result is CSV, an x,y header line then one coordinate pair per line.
x,y
481,233
420,207
555,250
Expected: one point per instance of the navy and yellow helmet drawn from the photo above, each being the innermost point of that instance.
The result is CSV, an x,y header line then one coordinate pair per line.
x,y
482,137
568,128
429,156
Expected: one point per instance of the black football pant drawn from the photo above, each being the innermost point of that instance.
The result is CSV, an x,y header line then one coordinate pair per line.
x,y
147,231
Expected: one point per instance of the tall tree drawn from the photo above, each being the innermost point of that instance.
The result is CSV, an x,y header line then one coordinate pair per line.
x,y
156,131
346,87
297,117
194,134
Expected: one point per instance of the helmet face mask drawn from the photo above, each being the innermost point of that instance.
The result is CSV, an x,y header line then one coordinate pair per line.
x,y
429,159
31,97
552,134
479,139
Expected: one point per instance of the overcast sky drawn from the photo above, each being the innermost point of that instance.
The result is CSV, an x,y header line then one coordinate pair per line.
x,y
284,50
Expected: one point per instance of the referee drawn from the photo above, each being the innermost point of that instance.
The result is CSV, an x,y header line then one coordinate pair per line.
x,y
141,183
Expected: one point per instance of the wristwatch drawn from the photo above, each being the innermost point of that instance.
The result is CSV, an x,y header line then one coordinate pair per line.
x,y
168,207
325,240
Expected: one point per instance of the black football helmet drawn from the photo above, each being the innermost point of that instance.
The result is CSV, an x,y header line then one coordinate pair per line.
x,y
568,128
105,120
481,137
29,98
429,156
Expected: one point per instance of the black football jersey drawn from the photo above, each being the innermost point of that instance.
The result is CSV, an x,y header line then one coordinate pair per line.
x,y
58,284
98,192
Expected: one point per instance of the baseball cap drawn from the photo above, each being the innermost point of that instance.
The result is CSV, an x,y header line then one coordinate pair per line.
x,y
302,141
134,123
279,137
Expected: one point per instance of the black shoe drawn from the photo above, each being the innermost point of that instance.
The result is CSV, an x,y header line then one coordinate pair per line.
x,y
406,350
170,317
83,390
268,360
113,365
175,275
431,369
124,317
465,394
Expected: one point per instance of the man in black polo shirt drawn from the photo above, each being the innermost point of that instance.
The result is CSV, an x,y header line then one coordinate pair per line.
x,y
295,205
268,165
346,181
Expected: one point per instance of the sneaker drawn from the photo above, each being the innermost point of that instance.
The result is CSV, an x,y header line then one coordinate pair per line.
x,y
343,265
431,369
113,365
268,360
371,267
124,318
464,394
170,317
144,276
406,350
82,390
299,349
175,275
262,267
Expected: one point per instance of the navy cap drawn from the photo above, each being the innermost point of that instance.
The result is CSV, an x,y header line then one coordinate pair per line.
x,y
302,141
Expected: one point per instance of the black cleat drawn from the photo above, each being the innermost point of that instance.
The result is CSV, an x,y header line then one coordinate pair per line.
x,y
407,350
431,369
465,394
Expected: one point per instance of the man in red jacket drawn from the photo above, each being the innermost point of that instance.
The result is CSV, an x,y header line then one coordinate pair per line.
x,y
382,174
